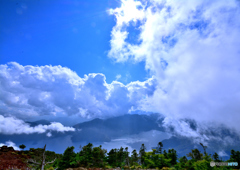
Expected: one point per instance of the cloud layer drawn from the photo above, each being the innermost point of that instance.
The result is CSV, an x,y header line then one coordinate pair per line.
x,y
10,126
202,132
28,91
192,49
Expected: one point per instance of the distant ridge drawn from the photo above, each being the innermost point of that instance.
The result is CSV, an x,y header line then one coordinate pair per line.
x,y
105,130
38,122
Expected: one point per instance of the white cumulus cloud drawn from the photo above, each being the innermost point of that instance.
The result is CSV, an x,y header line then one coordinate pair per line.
x,y
192,49
32,91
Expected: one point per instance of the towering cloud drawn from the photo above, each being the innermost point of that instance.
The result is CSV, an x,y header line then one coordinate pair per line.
x,y
29,91
192,48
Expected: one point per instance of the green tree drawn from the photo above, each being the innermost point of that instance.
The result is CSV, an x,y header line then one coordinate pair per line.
x,y
152,160
216,157
160,146
22,146
165,154
126,156
98,155
183,159
68,159
235,157
195,154
134,157
202,165
190,164
162,161
149,160
172,154
182,163
112,157
85,156
142,153
120,157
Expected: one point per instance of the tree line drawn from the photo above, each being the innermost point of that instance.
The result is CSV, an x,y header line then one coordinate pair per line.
x,y
97,157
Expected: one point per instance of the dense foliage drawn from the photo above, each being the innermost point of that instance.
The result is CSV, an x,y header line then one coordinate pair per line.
x,y
97,157
90,157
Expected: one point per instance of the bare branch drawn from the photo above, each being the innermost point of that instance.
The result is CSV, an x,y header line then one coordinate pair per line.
x,y
50,162
33,161
43,158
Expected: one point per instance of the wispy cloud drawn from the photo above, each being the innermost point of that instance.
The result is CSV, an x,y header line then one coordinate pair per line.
x,y
118,77
149,138
192,49
209,133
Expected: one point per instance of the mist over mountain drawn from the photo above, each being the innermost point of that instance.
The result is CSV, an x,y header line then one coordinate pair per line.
x,y
130,130
104,130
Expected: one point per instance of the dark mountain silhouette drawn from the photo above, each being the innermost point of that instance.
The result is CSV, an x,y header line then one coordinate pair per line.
x,y
129,124
38,122
104,130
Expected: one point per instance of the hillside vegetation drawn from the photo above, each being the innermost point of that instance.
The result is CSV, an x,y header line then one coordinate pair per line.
x,y
97,157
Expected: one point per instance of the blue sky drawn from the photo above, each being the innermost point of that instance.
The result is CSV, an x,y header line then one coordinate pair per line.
x,y
72,60
73,34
